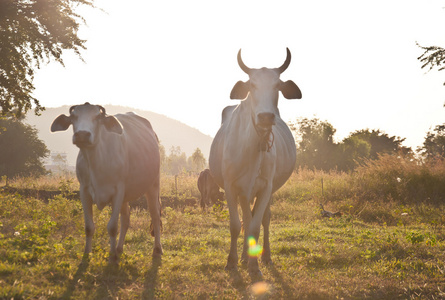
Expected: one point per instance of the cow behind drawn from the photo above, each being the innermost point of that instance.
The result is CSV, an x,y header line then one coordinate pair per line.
x,y
210,193
252,155
118,162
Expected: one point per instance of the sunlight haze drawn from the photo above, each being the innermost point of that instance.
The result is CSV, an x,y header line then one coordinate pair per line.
x,y
354,61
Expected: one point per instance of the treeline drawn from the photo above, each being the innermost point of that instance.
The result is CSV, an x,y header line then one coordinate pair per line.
x,y
21,151
177,162
317,150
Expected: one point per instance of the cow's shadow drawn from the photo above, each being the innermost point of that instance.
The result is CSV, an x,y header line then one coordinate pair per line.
x,y
151,279
83,266
278,278
112,279
239,282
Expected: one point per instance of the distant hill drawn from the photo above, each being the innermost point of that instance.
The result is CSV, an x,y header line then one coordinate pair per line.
x,y
170,132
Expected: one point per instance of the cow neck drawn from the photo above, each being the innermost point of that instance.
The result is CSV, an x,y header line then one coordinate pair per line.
x,y
266,137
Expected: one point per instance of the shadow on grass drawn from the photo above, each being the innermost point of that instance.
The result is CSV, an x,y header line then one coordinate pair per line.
x,y
238,282
83,266
278,278
113,280
151,279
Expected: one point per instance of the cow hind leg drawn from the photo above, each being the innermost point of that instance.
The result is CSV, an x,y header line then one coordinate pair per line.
x,y
203,204
154,206
125,223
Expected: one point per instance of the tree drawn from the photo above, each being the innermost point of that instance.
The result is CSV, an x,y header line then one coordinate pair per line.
x,y
33,32
315,143
197,161
434,144
433,56
353,150
316,148
176,161
381,142
21,150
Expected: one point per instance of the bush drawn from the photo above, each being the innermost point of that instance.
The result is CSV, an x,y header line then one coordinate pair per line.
x,y
393,178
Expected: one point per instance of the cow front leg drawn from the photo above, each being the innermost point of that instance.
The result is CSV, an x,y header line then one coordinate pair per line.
x,y
112,227
125,223
265,257
247,218
235,228
87,205
261,205
112,232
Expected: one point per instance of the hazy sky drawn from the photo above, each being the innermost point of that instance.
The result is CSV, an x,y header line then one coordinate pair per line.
x,y
354,61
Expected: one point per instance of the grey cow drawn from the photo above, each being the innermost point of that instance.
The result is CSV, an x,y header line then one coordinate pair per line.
x,y
118,161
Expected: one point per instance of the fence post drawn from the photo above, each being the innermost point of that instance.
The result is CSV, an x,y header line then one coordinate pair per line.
x,y
322,188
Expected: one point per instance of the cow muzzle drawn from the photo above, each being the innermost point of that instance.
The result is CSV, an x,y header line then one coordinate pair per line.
x,y
82,139
265,121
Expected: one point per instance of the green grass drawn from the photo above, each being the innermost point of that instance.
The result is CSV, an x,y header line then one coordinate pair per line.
x,y
383,248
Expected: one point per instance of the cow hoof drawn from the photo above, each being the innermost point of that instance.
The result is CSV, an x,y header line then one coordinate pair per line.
x,y
113,259
256,275
157,252
267,261
231,267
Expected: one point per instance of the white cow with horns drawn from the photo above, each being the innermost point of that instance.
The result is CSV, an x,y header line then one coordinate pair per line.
x,y
118,161
252,155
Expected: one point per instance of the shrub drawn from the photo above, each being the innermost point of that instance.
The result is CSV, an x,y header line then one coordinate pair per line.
x,y
393,178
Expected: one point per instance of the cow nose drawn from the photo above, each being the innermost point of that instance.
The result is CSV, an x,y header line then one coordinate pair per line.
x,y
81,138
266,119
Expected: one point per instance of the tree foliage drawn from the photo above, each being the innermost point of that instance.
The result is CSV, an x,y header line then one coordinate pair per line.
x,y
33,32
380,142
177,161
21,151
197,161
316,148
433,56
434,144
353,150
315,143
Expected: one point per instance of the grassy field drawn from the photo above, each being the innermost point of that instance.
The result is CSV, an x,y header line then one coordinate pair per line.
x,y
389,242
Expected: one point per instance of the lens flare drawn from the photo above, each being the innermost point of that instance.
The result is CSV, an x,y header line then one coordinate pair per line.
x,y
260,288
255,249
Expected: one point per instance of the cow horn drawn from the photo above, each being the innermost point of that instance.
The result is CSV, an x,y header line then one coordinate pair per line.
x,y
241,63
286,62
72,108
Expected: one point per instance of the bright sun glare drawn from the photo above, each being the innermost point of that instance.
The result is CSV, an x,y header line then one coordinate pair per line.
x,y
355,62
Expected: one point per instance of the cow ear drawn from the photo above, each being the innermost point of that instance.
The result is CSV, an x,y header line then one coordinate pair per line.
x,y
61,123
290,90
112,124
240,90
